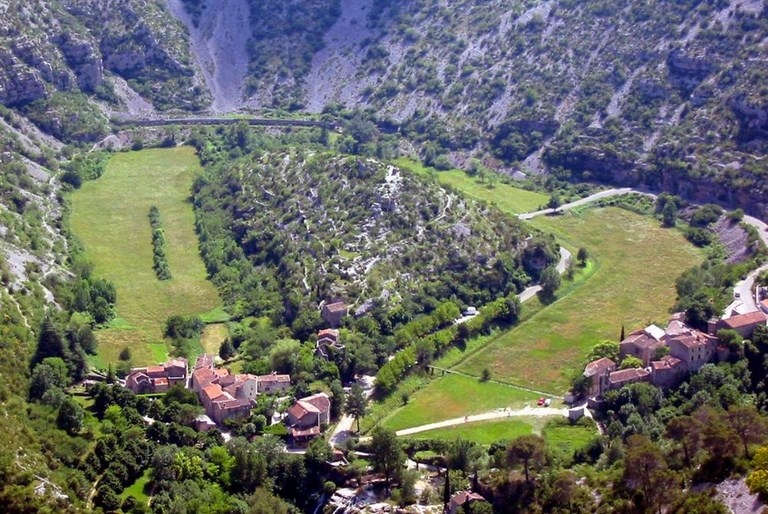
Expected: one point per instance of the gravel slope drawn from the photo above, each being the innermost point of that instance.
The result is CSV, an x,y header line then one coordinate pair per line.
x,y
219,48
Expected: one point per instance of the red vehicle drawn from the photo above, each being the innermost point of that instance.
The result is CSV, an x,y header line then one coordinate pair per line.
x,y
541,401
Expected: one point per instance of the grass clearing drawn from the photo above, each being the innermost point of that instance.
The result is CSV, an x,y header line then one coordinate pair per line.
x,y
636,264
139,489
212,337
453,396
564,439
110,217
484,432
506,197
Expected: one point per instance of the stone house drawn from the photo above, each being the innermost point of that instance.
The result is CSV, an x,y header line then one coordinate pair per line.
x,y
642,343
328,343
334,312
598,372
305,417
744,324
157,379
667,372
624,377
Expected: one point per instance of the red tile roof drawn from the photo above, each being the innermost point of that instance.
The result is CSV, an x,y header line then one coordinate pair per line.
x,y
625,375
273,377
320,401
745,320
336,307
641,340
598,366
667,362
307,432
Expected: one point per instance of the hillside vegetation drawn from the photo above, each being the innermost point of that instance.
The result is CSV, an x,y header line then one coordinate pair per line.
x,y
312,227
668,94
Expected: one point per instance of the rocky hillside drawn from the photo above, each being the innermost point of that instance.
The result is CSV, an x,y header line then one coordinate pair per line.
x,y
668,94
316,227
108,51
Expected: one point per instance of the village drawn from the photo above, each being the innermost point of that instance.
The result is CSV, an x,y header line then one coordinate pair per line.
x,y
670,354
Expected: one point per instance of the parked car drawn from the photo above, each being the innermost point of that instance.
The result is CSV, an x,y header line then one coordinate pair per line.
x,y
541,401
547,402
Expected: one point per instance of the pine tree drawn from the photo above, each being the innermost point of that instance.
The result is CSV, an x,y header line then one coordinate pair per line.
x,y
622,334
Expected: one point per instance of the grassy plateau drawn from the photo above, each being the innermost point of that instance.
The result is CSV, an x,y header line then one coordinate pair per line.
x,y
110,217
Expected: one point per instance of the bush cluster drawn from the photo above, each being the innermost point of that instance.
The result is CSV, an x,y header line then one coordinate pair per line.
x,y
162,270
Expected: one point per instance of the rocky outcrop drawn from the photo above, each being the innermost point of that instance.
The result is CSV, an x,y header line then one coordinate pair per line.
x,y
686,71
753,119
19,84
85,60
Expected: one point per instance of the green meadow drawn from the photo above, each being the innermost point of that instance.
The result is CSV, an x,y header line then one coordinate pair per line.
x,y
110,217
507,198
636,263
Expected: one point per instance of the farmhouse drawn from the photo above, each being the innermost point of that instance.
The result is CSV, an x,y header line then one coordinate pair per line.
x,y
273,383
598,372
461,501
642,343
623,377
306,416
689,349
328,343
157,379
744,324
333,313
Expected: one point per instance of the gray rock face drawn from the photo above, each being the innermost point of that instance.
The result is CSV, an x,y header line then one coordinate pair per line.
x,y
19,84
84,59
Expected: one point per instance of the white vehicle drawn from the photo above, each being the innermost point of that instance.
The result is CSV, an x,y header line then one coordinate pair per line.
x,y
547,402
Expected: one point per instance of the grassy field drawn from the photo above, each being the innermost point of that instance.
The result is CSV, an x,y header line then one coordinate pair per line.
x,y
636,264
110,217
213,335
507,198
453,396
563,438
485,432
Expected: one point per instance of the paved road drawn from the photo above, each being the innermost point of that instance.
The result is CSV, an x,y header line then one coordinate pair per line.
x,y
527,411
562,265
591,198
744,288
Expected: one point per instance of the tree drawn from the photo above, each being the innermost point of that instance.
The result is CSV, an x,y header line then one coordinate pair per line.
x,y
125,354
606,348
485,376
357,404
554,201
630,361
748,425
549,281
49,374
757,481
388,456
582,256
528,450
226,350
686,431
643,467
70,416
669,214
621,337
